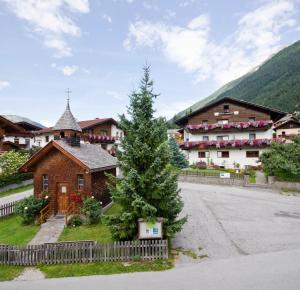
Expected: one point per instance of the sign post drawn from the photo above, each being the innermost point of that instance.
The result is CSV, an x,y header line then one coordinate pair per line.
x,y
150,230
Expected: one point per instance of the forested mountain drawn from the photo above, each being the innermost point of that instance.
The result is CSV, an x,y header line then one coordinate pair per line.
x,y
275,84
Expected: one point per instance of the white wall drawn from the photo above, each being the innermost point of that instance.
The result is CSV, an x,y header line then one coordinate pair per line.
x,y
21,140
291,131
40,140
243,135
235,155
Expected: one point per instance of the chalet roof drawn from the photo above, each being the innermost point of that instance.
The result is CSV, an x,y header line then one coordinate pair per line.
x,y
89,123
11,124
286,119
182,119
20,119
88,156
67,121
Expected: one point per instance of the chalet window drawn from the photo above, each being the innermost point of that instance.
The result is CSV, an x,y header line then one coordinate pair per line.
x,y
16,140
117,135
121,135
252,119
221,138
27,142
39,143
62,134
205,138
203,154
283,133
226,108
103,133
45,182
252,136
223,121
223,154
204,122
47,138
80,182
252,154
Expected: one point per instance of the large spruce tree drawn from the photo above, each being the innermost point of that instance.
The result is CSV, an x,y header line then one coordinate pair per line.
x,y
147,187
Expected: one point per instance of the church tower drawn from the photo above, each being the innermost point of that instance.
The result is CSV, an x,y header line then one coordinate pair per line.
x,y
67,128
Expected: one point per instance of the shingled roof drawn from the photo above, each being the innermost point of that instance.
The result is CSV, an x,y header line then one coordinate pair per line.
x,y
67,121
89,156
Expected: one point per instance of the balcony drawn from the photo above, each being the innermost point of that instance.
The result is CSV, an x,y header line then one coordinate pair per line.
x,y
228,143
232,126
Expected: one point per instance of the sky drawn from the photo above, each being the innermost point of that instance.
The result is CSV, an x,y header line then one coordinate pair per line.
x,y
98,48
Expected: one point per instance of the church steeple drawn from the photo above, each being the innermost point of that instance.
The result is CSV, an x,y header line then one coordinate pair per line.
x,y
67,127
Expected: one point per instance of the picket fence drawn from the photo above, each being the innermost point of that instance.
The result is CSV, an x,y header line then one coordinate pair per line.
x,y
83,252
238,176
8,209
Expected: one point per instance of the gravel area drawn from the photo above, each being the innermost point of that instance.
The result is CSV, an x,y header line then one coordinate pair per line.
x,y
231,221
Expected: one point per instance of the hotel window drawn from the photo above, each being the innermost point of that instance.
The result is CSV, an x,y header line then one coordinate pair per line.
x,y
222,138
283,133
205,138
226,108
117,135
251,119
103,133
203,154
223,154
27,142
223,121
47,138
252,154
16,140
204,122
252,136
45,182
80,182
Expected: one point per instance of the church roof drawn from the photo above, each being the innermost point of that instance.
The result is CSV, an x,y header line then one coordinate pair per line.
x,y
67,121
88,156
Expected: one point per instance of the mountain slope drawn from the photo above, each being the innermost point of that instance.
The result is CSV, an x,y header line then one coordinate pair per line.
x,y
276,84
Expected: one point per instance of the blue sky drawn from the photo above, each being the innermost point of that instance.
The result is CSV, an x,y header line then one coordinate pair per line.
x,y
98,49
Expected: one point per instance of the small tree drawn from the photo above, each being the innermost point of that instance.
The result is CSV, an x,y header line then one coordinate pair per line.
x,y
178,159
92,210
148,187
11,161
283,160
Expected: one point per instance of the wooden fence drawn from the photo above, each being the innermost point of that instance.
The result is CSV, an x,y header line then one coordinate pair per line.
x,y
8,209
83,252
238,176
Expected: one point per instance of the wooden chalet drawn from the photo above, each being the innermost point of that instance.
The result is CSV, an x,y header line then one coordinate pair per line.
x,y
67,170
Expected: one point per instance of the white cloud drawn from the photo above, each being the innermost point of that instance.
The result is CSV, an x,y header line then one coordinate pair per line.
x,y
49,19
258,35
68,70
107,18
4,84
115,95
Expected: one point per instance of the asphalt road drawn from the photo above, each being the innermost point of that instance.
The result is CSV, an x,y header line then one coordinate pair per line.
x,y
232,221
272,271
15,197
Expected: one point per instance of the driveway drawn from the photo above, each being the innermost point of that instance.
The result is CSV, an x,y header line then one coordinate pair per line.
x,y
16,196
233,221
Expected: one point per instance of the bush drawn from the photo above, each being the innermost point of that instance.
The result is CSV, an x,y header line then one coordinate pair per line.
x,y
29,208
92,210
75,221
201,165
14,178
11,161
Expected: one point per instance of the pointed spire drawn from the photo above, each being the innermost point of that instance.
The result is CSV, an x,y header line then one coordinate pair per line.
x,y
67,120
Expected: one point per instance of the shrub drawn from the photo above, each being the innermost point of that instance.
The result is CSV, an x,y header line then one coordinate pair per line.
x,y
11,161
201,165
29,208
92,210
75,221
14,178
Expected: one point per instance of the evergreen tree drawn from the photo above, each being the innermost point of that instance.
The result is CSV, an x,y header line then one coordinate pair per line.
x,y
177,157
148,187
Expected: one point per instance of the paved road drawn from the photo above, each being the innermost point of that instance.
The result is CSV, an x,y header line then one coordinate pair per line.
x,y
233,221
272,271
16,196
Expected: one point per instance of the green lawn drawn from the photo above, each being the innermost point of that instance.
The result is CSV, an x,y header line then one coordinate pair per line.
x,y
10,272
98,232
16,190
12,231
105,268
252,179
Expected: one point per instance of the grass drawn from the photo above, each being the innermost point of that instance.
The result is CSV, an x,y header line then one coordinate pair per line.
x,y
105,268
10,272
16,190
12,231
98,232
252,179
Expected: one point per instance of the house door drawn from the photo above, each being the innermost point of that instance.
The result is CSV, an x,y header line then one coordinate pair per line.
x,y
62,198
